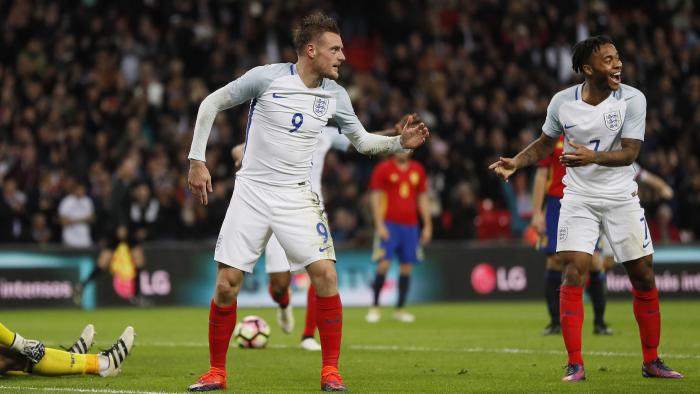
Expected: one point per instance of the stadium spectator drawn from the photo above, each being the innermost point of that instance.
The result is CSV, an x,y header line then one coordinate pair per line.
x,y
13,224
91,82
463,213
40,232
76,212
144,211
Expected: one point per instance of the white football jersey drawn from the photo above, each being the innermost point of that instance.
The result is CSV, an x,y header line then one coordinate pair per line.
x,y
600,128
330,138
285,120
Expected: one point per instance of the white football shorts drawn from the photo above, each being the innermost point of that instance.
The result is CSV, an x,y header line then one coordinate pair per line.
x,y
275,257
582,219
604,247
294,214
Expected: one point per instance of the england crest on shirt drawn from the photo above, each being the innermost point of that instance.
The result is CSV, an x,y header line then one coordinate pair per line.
x,y
613,120
320,106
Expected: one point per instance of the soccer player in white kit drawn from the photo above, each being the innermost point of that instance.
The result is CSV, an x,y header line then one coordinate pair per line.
x,y
603,122
276,262
289,105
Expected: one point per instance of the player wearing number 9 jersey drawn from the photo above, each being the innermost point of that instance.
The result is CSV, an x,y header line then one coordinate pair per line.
x,y
603,122
289,105
276,262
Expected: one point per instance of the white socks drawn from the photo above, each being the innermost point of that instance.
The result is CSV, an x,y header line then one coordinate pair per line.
x,y
104,364
18,343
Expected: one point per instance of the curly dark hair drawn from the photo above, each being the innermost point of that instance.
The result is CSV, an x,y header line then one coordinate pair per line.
x,y
312,26
582,51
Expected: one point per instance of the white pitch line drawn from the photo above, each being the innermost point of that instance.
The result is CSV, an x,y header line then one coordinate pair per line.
x,y
396,348
77,390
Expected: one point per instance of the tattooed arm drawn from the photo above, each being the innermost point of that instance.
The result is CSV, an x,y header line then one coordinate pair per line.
x,y
537,150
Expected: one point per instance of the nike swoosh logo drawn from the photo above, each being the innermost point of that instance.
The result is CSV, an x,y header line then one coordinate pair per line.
x,y
568,126
322,249
275,95
646,244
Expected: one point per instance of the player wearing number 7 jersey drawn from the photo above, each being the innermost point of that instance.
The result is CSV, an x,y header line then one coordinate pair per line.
x,y
289,105
603,123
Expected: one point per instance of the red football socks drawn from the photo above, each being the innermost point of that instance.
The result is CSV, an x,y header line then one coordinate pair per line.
x,y
329,319
571,318
222,319
310,325
646,311
282,299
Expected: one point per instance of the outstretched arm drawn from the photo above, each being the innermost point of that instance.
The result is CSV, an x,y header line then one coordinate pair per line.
x,y
537,150
658,184
406,121
370,144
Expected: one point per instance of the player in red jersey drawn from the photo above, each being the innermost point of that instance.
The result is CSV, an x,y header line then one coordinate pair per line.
x,y
399,194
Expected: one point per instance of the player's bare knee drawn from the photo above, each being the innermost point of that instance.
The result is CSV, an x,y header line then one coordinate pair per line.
x,y
225,291
228,284
383,267
554,263
280,281
327,277
405,269
641,273
572,275
325,281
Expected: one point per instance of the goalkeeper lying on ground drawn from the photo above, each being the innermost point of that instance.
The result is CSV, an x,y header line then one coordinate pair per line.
x,y
18,354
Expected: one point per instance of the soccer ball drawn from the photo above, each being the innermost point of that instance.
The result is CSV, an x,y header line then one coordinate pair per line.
x,y
252,332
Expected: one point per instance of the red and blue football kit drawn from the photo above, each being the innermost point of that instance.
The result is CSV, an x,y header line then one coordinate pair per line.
x,y
401,187
555,191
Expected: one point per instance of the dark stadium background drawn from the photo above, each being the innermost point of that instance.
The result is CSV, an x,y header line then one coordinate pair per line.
x,y
105,94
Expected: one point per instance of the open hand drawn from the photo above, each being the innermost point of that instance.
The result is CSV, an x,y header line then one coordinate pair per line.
x,y
413,136
406,121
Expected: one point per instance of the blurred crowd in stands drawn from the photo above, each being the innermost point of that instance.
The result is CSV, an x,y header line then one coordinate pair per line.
x,y
98,101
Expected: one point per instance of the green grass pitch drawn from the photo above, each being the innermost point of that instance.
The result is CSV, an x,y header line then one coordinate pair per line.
x,y
451,348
